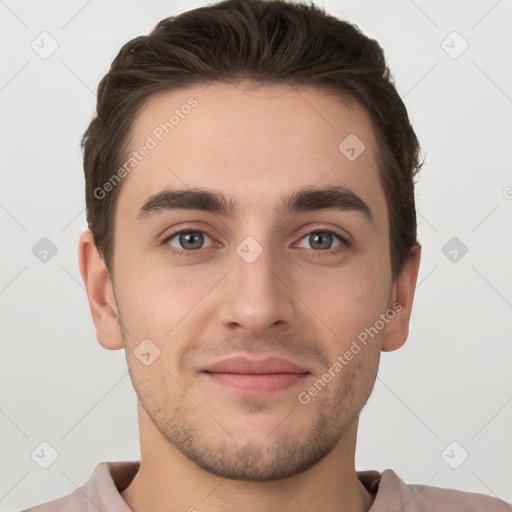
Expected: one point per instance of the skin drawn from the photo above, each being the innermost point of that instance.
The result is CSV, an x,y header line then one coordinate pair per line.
x,y
204,445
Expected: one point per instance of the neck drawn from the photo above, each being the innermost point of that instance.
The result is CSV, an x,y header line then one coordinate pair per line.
x,y
168,481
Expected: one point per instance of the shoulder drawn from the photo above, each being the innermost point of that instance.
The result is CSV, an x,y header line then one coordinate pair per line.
x,y
76,502
423,498
100,492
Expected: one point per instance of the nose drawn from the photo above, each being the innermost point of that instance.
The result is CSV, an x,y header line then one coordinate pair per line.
x,y
258,294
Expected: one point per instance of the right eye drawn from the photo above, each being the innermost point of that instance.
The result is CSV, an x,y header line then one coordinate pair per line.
x,y
189,241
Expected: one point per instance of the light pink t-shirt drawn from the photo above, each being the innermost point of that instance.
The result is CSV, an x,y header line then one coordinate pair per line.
x,y
102,492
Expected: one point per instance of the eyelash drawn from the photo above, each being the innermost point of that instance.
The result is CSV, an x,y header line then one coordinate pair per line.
x,y
317,253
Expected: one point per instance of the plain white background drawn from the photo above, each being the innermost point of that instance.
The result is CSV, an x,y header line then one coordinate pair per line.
x,y
451,382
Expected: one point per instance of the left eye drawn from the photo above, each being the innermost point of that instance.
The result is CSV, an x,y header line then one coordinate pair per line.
x,y
322,239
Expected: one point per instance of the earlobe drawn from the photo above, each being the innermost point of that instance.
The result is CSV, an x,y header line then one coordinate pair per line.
x,y
397,330
99,293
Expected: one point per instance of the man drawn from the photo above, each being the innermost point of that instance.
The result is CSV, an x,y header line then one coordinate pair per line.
x,y
252,247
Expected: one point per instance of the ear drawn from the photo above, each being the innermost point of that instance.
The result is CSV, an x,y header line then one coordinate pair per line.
x,y
99,293
397,330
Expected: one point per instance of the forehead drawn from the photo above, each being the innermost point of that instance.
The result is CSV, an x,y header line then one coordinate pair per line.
x,y
252,143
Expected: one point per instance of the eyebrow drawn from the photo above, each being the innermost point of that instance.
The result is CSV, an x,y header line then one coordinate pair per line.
x,y
336,198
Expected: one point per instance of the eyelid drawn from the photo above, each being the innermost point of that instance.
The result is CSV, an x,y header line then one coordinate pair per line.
x,y
184,228
341,233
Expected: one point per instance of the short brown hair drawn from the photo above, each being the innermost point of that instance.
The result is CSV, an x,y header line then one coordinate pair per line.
x,y
268,42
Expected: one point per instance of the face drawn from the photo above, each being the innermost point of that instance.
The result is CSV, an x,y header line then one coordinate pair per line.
x,y
291,263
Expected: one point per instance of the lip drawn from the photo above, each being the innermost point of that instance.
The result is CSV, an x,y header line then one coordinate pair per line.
x,y
246,365
255,376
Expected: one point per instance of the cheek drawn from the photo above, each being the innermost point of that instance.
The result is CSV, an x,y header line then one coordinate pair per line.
x,y
348,300
154,297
